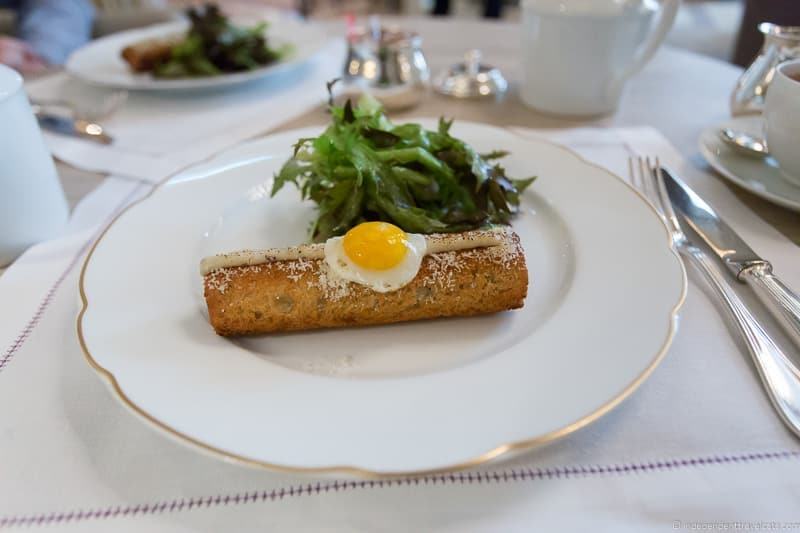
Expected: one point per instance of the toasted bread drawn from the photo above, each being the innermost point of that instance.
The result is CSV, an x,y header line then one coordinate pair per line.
x,y
145,55
303,294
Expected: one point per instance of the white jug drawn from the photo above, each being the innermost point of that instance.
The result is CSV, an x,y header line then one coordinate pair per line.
x,y
578,54
32,203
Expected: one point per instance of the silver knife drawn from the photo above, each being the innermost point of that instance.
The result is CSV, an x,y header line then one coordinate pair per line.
x,y
740,259
73,127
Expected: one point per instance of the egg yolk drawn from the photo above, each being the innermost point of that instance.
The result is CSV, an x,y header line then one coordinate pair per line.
x,y
375,245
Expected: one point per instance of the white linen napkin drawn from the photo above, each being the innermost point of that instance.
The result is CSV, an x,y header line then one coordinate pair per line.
x,y
157,133
697,446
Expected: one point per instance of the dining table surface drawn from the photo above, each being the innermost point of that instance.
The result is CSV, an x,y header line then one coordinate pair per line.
x,y
702,422
680,93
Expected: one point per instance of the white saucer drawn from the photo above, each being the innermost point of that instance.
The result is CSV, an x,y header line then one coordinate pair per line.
x,y
762,177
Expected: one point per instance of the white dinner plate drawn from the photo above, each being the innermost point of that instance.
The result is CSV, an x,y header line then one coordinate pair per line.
x,y
100,62
761,176
404,398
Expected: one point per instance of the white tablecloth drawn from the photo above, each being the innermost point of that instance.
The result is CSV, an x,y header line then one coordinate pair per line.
x,y
698,445
155,134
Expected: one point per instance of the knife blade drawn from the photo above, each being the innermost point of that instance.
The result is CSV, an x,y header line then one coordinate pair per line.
x,y
737,256
73,127
723,241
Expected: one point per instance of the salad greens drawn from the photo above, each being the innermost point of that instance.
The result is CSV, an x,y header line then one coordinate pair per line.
x,y
214,46
365,168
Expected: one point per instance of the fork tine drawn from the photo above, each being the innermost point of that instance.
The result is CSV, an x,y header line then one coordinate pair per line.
x,y
632,173
666,203
645,183
643,180
636,175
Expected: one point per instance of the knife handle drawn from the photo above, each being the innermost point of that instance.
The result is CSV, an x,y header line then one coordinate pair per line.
x,y
781,378
782,302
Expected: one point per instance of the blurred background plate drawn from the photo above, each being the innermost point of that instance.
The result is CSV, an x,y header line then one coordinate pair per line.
x,y
100,61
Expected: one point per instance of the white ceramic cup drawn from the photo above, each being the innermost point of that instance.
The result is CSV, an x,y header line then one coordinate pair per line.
x,y
578,54
782,117
32,203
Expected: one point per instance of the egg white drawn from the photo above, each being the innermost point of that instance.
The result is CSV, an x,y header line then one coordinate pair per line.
x,y
387,280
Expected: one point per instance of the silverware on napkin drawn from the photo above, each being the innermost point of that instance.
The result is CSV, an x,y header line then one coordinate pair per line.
x,y
80,117
740,259
72,126
780,376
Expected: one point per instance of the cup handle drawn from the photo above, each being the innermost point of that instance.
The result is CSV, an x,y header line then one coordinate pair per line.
x,y
666,18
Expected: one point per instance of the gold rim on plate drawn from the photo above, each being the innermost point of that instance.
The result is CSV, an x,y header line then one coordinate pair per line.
x,y
494,453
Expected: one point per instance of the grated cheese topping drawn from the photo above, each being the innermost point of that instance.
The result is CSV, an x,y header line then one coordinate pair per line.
x,y
440,269
435,243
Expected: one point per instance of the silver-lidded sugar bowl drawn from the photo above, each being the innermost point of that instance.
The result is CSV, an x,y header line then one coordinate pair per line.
x,y
388,63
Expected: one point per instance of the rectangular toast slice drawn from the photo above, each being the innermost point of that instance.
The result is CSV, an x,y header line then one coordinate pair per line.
x,y
303,294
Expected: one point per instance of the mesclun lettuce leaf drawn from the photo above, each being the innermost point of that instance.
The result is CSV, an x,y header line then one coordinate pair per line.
x,y
214,46
364,167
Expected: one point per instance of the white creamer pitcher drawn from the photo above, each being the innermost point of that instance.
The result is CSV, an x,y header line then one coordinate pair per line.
x,y
32,203
578,54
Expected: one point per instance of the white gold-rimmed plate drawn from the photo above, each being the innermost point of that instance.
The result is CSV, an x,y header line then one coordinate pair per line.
x,y
100,62
760,176
406,398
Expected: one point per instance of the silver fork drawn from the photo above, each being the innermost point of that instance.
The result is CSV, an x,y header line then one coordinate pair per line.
x,y
781,378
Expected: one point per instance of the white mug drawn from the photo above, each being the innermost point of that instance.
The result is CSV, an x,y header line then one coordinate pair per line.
x,y
782,117
578,54
32,203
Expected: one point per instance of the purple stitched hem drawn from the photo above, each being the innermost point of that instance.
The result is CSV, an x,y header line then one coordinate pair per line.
x,y
19,341
315,488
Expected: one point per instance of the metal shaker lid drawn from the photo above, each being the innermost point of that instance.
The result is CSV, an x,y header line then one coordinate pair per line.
x,y
471,79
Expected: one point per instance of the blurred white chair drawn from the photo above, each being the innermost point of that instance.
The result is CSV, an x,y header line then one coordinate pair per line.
x,y
707,27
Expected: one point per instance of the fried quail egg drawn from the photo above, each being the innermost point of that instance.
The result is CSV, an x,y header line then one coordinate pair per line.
x,y
376,254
